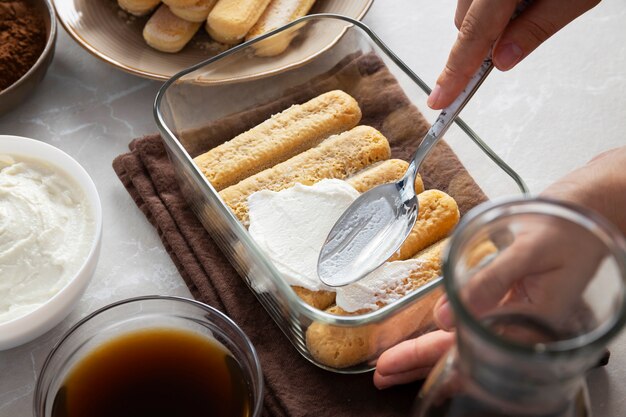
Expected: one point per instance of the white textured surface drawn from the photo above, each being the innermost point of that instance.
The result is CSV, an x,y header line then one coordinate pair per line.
x,y
561,106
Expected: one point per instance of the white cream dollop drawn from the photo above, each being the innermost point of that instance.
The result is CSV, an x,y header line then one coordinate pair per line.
x,y
384,285
291,226
46,231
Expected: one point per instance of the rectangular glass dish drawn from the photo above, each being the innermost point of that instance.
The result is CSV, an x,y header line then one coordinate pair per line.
x,y
216,100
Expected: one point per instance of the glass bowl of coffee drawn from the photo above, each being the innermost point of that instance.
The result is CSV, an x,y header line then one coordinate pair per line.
x,y
151,356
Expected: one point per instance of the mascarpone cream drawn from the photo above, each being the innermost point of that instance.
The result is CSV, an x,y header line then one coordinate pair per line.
x,y
46,232
291,226
383,286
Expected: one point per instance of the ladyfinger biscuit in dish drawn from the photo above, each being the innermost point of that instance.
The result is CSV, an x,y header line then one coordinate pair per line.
x,y
383,172
278,13
318,299
231,20
438,214
341,347
279,138
196,12
138,7
336,157
167,32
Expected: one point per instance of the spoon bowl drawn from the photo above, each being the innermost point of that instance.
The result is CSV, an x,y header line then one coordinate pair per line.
x,y
371,230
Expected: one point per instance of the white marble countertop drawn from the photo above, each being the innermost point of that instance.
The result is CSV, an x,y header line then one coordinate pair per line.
x,y
561,106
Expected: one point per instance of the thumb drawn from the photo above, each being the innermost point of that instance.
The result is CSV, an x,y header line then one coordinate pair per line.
x,y
539,21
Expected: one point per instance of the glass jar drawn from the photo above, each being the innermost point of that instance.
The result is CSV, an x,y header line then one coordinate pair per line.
x,y
537,291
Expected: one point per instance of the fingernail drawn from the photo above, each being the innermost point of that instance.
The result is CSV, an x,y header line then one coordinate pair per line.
x,y
443,315
381,382
507,55
434,96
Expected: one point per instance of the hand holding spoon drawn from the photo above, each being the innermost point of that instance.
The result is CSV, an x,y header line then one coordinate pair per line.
x,y
374,227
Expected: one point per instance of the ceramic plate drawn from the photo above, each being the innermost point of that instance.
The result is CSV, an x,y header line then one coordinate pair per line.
x,y
115,36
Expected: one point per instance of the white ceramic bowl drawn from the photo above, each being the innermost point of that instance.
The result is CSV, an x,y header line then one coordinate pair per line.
x,y
55,309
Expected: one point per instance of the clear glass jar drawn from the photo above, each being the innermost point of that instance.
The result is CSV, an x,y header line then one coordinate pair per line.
x,y
537,291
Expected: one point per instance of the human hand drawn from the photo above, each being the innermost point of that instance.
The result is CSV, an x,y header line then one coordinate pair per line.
x,y
522,274
541,271
486,24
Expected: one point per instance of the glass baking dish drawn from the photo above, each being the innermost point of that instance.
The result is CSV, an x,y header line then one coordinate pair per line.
x,y
221,97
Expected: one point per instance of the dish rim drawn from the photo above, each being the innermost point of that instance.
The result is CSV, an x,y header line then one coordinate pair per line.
x,y
295,303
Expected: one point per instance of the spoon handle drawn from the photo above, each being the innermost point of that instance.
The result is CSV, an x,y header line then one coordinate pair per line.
x,y
446,117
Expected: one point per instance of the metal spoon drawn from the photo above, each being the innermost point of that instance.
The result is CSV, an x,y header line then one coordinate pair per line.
x,y
374,227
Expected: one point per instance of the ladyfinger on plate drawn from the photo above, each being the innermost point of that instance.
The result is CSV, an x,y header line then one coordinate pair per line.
x,y
277,14
196,12
231,20
279,138
167,32
138,7
337,157
181,3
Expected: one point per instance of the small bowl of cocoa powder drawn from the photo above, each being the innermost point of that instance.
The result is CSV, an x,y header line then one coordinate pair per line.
x,y
27,37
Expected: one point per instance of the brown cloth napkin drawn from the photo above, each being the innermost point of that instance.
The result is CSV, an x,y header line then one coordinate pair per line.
x,y
294,387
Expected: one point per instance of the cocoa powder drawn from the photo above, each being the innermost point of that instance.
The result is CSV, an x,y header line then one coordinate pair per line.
x,y
22,39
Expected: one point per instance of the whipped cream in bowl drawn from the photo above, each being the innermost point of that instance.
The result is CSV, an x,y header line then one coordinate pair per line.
x,y
50,233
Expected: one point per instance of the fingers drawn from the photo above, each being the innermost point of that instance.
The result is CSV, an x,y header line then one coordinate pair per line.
x,y
539,21
482,25
411,359
443,315
488,286
461,10
483,22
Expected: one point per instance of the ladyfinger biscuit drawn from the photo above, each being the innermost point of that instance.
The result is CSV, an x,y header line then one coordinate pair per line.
x,y
196,12
138,7
318,299
337,157
438,215
167,32
180,3
341,347
231,20
278,13
279,138
383,172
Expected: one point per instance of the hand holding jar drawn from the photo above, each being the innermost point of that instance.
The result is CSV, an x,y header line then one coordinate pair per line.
x,y
541,265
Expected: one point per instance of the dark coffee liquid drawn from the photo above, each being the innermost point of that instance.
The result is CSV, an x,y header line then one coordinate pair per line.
x,y
153,373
